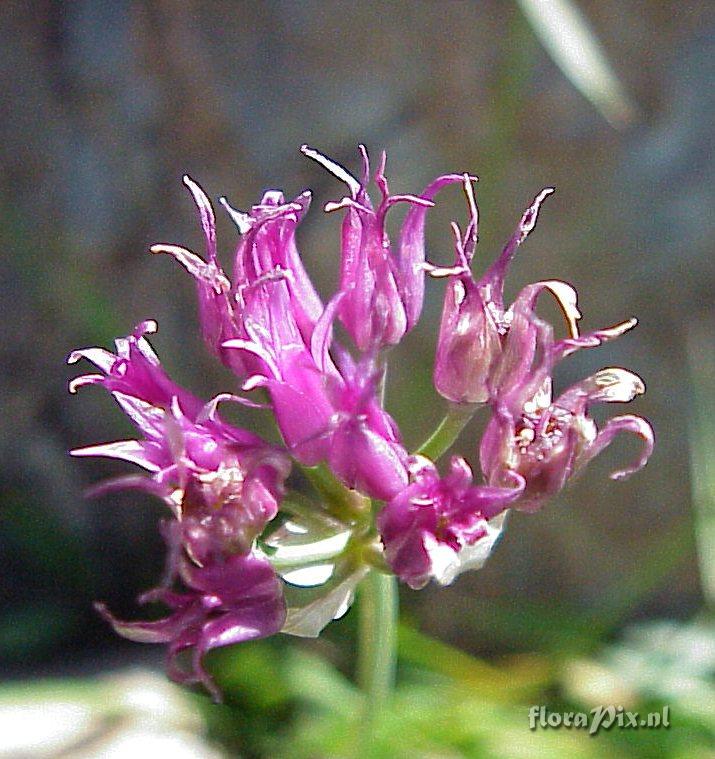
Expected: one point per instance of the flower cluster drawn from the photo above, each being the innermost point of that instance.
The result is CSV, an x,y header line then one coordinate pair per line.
x,y
234,571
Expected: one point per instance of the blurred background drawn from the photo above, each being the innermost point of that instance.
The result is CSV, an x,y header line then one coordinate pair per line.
x,y
604,597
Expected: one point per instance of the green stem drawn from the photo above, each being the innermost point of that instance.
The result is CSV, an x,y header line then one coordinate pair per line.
x,y
377,651
344,504
442,439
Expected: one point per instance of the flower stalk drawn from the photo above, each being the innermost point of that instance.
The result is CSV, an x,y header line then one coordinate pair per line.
x,y
447,431
378,606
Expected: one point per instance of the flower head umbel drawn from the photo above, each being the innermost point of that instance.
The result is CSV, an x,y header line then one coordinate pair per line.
x,y
239,539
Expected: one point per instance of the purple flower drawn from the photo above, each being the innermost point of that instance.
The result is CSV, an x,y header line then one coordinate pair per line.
x,y
363,446
333,415
134,377
223,603
243,309
274,332
439,526
475,320
326,410
222,483
383,290
223,486
548,441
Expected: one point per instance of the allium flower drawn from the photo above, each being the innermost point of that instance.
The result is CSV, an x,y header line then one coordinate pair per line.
x,y
271,328
548,441
134,377
267,318
383,290
234,570
222,485
474,317
230,602
438,526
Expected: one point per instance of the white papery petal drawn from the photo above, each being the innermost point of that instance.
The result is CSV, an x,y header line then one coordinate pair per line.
x,y
291,545
474,556
567,298
134,451
334,168
309,577
308,621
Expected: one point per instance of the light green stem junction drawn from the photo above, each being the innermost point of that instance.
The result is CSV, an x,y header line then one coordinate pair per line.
x,y
377,652
378,603
442,439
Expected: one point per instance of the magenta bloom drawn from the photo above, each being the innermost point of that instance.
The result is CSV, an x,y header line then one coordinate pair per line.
x,y
222,485
134,377
266,318
230,602
547,441
271,328
439,526
383,290
474,317
247,558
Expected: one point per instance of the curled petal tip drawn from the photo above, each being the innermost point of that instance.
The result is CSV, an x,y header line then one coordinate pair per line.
x,y
197,191
86,379
254,381
147,327
338,171
636,425
532,211
471,201
608,333
567,299
240,219
528,220
181,254
617,384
